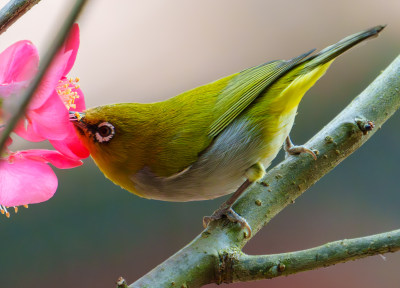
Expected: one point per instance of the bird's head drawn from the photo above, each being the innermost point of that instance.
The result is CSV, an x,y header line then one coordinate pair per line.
x,y
95,131
115,138
107,132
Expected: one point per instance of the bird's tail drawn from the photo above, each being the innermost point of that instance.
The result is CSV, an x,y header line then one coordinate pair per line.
x,y
331,52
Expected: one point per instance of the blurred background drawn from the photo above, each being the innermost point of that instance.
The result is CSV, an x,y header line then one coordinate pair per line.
x,y
91,232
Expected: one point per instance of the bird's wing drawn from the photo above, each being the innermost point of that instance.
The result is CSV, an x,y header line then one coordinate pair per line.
x,y
246,87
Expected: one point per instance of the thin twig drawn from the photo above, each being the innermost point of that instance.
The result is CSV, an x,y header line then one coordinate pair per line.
x,y
51,52
13,10
242,267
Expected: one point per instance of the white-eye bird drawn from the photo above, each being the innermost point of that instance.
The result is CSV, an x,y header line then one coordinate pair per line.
x,y
205,143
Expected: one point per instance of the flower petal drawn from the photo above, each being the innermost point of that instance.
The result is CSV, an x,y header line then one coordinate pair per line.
x,y
26,181
12,89
51,120
8,142
71,146
71,44
60,66
50,156
19,62
24,129
50,80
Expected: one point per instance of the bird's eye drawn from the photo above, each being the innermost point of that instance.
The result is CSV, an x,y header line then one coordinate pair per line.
x,y
105,132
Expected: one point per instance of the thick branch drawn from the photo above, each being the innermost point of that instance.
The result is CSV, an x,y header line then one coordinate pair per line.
x,y
51,52
12,11
244,267
201,261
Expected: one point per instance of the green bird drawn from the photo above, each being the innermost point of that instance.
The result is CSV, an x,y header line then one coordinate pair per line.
x,y
206,142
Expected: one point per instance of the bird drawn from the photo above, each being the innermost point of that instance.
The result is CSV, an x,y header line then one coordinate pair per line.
x,y
210,141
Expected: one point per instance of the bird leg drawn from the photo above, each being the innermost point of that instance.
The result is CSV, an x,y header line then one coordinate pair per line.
x,y
292,149
254,173
226,210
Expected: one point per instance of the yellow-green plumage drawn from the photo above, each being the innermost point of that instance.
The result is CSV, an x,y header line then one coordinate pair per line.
x,y
201,143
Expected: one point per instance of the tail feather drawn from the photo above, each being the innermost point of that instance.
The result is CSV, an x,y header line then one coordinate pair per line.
x,y
331,52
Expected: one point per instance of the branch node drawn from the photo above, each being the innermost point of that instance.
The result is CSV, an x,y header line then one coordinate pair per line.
x,y
364,125
276,270
281,267
121,283
225,269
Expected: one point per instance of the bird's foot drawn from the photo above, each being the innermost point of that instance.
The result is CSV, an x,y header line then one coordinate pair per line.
x,y
292,149
229,213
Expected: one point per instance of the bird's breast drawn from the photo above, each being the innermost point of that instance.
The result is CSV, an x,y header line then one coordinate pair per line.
x,y
220,169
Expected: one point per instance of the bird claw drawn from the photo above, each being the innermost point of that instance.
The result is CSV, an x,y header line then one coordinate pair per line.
x,y
231,215
296,150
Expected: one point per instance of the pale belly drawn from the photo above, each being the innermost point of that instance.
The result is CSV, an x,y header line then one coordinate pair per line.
x,y
221,168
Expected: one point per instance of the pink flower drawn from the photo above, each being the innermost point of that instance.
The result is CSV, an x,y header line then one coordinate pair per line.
x,y
47,116
26,178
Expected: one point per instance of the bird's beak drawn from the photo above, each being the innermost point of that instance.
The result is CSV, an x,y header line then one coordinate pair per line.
x,y
77,118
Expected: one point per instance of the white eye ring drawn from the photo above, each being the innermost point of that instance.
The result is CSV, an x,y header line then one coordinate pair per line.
x,y
105,132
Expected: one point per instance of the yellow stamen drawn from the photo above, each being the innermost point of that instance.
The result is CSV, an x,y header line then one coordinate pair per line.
x,y
26,205
65,90
3,210
78,116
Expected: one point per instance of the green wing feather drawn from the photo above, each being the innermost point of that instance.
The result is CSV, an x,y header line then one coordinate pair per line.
x,y
250,83
246,87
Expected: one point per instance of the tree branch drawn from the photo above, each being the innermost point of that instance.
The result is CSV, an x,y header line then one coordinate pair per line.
x,y
47,59
12,11
242,267
201,261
